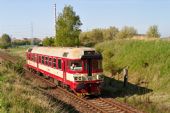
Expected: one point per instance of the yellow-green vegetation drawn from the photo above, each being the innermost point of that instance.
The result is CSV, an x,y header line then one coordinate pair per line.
x,y
149,71
18,95
19,51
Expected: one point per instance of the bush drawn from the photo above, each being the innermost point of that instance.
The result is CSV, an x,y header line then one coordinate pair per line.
x,y
17,67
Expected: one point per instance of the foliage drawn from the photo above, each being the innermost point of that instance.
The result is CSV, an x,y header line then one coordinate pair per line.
x,y
153,32
5,41
26,41
35,41
94,36
67,28
48,41
17,67
110,33
19,42
148,61
149,67
126,32
20,95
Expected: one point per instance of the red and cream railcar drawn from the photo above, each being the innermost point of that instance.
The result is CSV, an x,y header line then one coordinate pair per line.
x,y
80,69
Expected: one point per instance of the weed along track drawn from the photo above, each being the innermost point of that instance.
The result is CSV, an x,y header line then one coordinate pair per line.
x,y
85,105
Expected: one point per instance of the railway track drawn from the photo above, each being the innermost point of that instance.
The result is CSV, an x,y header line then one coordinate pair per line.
x,y
95,105
85,105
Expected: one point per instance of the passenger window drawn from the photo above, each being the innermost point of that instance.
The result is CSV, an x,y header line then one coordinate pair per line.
x,y
46,60
59,63
39,59
42,59
49,63
54,63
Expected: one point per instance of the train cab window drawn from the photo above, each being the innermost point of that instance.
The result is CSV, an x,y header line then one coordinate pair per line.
x,y
42,59
49,62
96,64
85,65
54,63
59,63
75,65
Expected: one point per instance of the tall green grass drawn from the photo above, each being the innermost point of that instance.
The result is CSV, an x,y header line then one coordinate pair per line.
x,y
149,67
19,51
18,95
148,61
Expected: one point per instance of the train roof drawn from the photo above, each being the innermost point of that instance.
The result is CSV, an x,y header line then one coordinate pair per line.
x,y
68,52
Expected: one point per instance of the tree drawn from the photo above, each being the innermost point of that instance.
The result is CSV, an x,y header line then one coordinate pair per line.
x,y
20,42
67,28
153,32
96,35
90,38
110,33
126,32
5,41
48,41
35,41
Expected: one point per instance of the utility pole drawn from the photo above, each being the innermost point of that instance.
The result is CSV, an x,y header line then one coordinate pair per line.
x,y
55,18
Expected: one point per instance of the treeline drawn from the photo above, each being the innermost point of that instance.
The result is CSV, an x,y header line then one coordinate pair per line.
x,y
6,41
26,41
94,36
90,38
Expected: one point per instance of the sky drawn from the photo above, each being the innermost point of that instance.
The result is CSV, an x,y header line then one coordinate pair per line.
x,y
35,18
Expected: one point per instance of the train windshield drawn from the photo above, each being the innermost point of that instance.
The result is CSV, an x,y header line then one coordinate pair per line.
x,y
75,65
94,64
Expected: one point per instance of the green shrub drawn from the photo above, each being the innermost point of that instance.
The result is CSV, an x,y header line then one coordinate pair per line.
x,y
17,67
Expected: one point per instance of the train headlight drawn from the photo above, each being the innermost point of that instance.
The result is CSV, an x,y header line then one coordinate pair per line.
x,y
100,77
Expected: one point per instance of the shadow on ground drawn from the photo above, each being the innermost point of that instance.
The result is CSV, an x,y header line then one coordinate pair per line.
x,y
115,88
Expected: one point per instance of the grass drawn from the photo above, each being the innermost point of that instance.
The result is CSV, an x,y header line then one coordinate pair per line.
x,y
149,67
19,51
18,95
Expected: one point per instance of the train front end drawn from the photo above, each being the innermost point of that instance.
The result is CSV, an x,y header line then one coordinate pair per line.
x,y
88,81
